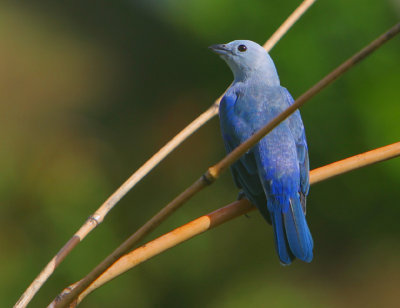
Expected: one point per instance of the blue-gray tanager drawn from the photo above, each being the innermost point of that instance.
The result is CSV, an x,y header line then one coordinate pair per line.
x,y
274,173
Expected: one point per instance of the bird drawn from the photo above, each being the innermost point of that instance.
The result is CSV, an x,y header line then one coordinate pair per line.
x,y
274,174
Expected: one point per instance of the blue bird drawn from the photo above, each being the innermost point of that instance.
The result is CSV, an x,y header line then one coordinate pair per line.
x,y
274,174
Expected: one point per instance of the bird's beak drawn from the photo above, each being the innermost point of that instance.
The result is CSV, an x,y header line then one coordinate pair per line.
x,y
220,49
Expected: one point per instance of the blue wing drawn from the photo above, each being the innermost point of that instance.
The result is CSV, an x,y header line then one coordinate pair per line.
x,y
297,128
244,171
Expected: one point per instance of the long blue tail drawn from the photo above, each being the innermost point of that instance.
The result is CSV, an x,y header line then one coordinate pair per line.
x,y
292,235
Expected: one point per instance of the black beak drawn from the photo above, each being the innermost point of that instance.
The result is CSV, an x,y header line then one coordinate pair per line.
x,y
220,49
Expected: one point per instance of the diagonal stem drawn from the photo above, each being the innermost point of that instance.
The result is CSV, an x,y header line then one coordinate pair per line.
x,y
213,172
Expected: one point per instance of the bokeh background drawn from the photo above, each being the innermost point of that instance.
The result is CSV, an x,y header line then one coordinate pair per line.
x,y
90,89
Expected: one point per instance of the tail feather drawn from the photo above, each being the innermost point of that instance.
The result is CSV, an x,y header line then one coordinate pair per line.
x,y
281,243
297,232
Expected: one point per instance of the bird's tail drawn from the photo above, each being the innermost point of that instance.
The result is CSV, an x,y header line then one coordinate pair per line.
x,y
292,235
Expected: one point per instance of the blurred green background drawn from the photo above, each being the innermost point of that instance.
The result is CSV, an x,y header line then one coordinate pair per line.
x,y
90,89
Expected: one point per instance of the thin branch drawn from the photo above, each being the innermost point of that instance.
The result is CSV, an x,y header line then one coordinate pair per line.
x,y
355,162
222,215
98,217
289,22
213,172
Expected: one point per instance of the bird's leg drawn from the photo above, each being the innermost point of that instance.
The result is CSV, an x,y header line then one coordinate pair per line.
x,y
241,196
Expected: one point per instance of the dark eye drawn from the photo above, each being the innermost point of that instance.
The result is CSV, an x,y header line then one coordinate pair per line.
x,y
242,48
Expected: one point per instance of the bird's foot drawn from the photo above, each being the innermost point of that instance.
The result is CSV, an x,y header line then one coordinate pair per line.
x,y
241,196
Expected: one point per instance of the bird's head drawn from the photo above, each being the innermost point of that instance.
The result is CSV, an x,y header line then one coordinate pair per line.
x,y
247,59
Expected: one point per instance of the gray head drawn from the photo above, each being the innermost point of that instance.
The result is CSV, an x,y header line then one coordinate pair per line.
x,y
247,59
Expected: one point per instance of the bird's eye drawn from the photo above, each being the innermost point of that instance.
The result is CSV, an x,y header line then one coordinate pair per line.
x,y
242,48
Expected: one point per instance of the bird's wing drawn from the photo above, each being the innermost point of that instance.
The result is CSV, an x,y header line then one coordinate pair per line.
x,y
244,170
240,170
297,128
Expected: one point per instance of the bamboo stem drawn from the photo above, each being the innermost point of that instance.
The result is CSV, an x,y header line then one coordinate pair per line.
x,y
224,214
97,217
213,172
169,240
355,162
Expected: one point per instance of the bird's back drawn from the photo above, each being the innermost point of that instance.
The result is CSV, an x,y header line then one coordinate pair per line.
x,y
272,173
245,109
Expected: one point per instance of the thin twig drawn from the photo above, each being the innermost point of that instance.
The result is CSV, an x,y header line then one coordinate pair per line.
x,y
355,162
103,210
289,22
213,172
233,210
